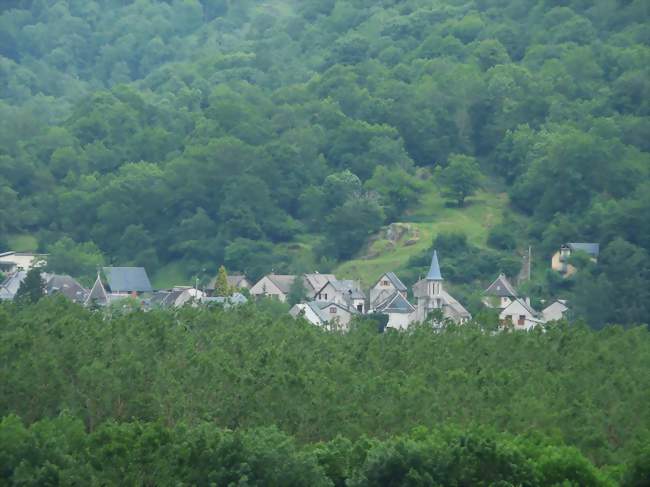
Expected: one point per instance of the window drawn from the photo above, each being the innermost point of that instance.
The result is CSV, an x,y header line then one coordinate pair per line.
x,y
333,310
522,320
325,296
384,283
360,308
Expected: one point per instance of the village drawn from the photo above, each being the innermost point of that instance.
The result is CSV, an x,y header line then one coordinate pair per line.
x,y
326,301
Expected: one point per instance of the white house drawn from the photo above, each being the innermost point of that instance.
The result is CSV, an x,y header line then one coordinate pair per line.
x,y
555,311
431,296
327,314
400,312
386,286
343,292
500,293
275,286
519,315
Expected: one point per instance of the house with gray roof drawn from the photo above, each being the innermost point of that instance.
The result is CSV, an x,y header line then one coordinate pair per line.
x,y
332,316
65,286
10,286
276,286
344,292
500,293
387,285
127,280
400,312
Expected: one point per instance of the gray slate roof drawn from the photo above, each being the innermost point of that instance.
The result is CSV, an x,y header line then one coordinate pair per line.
x,y
98,294
396,303
590,248
10,286
348,287
282,281
501,287
128,279
434,270
65,285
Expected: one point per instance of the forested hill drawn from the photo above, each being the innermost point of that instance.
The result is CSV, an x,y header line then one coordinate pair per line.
x,y
282,134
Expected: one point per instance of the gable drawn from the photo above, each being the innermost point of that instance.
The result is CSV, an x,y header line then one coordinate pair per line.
x,y
265,285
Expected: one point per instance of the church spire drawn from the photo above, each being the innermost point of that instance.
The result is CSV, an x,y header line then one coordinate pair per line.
x,y
434,271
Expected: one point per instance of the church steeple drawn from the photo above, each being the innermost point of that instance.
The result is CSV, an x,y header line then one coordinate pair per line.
x,y
434,271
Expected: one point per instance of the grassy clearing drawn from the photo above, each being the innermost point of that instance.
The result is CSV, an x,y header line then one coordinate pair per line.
x,y
429,218
170,275
22,242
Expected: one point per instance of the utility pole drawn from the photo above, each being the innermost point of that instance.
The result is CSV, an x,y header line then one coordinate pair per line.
x,y
530,258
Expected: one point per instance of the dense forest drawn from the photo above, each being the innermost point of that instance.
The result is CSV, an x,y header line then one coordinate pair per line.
x,y
210,395
249,396
206,132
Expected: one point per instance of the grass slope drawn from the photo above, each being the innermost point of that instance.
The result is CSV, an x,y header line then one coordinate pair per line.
x,y
422,224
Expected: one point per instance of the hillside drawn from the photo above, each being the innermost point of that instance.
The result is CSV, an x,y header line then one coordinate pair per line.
x,y
393,246
180,135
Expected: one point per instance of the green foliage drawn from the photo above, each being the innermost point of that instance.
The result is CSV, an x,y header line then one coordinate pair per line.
x,y
297,291
460,178
208,131
32,288
76,259
58,450
254,366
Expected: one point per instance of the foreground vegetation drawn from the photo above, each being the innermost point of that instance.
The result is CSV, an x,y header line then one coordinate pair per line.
x,y
61,451
250,368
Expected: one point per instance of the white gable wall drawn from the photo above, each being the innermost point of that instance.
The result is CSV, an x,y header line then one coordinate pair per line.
x,y
266,287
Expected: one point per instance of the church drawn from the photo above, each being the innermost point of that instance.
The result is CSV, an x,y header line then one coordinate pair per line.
x,y
431,296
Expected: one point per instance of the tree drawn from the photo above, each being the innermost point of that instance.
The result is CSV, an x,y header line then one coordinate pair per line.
x,y
461,178
32,288
79,260
297,291
221,287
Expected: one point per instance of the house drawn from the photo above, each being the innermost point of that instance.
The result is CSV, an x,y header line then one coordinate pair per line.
x,y
11,262
177,297
519,315
500,293
236,281
431,296
555,311
560,260
400,312
10,286
66,286
314,282
275,286
333,316
386,286
343,292
127,280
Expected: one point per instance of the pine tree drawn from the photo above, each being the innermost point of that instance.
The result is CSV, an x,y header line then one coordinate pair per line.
x,y
32,288
221,287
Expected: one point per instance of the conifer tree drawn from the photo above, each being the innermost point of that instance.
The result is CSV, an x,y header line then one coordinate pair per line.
x,y
221,287
32,288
